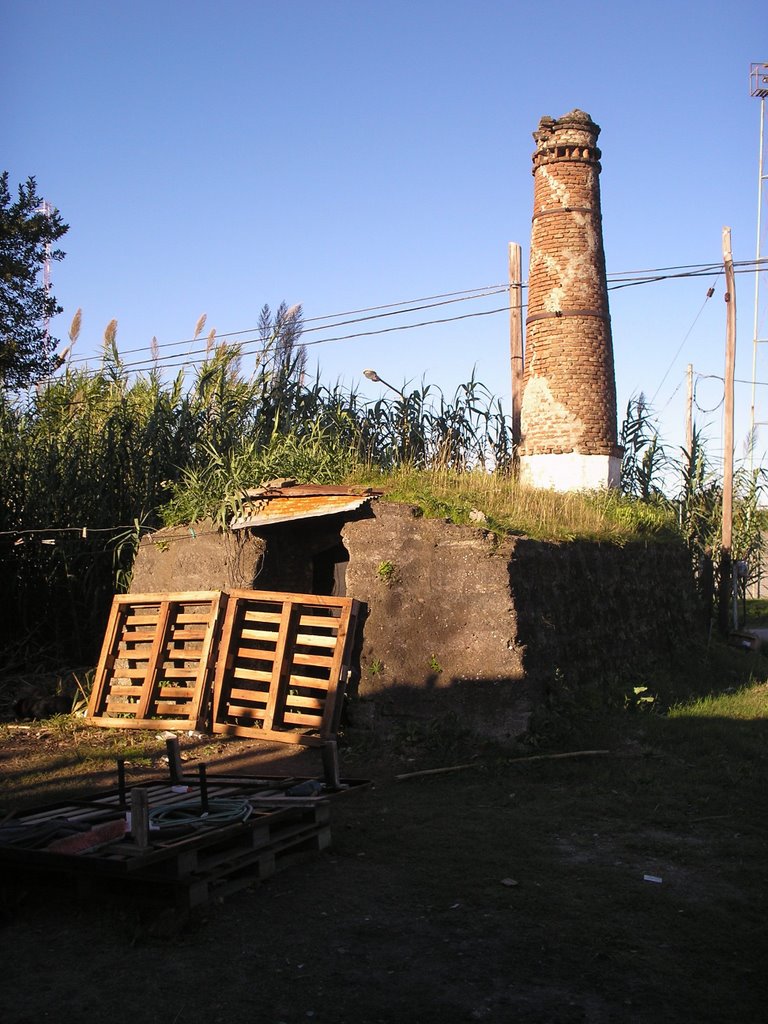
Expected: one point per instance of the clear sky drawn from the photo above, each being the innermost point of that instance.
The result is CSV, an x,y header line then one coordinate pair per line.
x,y
213,157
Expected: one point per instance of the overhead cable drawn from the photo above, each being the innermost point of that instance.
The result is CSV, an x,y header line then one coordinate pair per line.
x,y
465,296
623,280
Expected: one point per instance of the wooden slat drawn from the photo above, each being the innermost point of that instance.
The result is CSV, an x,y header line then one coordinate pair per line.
x,y
187,634
269,635
313,640
295,700
279,679
303,721
308,681
255,654
160,640
320,621
243,711
106,659
167,692
313,659
256,675
263,616
260,696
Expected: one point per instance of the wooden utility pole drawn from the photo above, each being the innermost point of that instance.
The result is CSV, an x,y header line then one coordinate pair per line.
x,y
516,334
730,361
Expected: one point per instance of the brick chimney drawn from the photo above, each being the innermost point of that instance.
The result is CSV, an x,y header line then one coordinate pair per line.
x,y
568,412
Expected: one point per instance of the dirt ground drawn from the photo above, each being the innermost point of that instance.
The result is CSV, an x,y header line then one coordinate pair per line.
x,y
505,891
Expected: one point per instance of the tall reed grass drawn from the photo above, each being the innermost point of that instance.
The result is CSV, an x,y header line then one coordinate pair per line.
x,y
91,459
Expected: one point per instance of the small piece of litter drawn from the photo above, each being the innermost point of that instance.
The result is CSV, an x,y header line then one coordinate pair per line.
x,y
652,878
509,881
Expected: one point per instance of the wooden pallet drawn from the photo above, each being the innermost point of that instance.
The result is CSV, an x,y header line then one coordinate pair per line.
x,y
192,863
155,664
276,670
283,665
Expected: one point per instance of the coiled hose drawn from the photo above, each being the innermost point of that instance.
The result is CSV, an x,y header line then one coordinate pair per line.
x,y
190,814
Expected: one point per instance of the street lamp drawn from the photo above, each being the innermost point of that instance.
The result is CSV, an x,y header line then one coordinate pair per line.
x,y
405,427
372,375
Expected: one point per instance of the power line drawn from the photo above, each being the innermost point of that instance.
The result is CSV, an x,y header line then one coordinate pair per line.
x,y
708,296
736,380
83,532
153,360
466,296
746,267
135,367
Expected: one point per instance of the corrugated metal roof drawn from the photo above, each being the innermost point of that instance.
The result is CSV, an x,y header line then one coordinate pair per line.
x,y
267,506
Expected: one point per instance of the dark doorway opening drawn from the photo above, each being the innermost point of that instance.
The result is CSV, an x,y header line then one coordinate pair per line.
x,y
329,571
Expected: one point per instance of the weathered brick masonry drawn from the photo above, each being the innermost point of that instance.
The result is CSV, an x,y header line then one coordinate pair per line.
x,y
569,392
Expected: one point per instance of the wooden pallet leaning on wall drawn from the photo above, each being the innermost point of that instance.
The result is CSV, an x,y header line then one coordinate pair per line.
x,y
282,668
156,661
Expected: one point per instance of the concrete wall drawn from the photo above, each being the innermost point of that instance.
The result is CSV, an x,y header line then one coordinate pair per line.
x,y
196,558
457,623
441,633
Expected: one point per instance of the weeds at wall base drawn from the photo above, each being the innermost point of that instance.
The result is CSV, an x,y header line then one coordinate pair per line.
x,y
572,708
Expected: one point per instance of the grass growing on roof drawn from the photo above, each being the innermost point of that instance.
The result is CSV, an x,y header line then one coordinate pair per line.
x,y
509,508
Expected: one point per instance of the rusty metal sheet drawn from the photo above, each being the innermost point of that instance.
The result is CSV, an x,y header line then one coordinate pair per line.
x,y
285,490
282,508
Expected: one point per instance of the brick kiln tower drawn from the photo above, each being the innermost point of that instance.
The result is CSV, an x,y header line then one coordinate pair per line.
x,y
568,411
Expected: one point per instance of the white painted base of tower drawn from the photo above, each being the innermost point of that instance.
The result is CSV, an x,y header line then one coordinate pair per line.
x,y
570,472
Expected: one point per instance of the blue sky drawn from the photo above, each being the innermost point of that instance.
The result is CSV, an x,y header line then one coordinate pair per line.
x,y
211,158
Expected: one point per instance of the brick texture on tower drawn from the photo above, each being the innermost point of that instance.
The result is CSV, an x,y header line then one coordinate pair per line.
x,y
568,411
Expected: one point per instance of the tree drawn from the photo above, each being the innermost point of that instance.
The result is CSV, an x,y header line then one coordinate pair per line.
x,y
28,230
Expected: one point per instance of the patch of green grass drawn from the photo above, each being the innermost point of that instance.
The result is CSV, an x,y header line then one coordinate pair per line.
x,y
746,703
509,508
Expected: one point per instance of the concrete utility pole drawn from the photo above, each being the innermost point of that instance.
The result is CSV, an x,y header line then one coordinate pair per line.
x,y
516,355
689,411
688,425
730,360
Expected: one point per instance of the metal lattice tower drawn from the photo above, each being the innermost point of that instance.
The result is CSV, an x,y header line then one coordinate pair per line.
x,y
758,81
